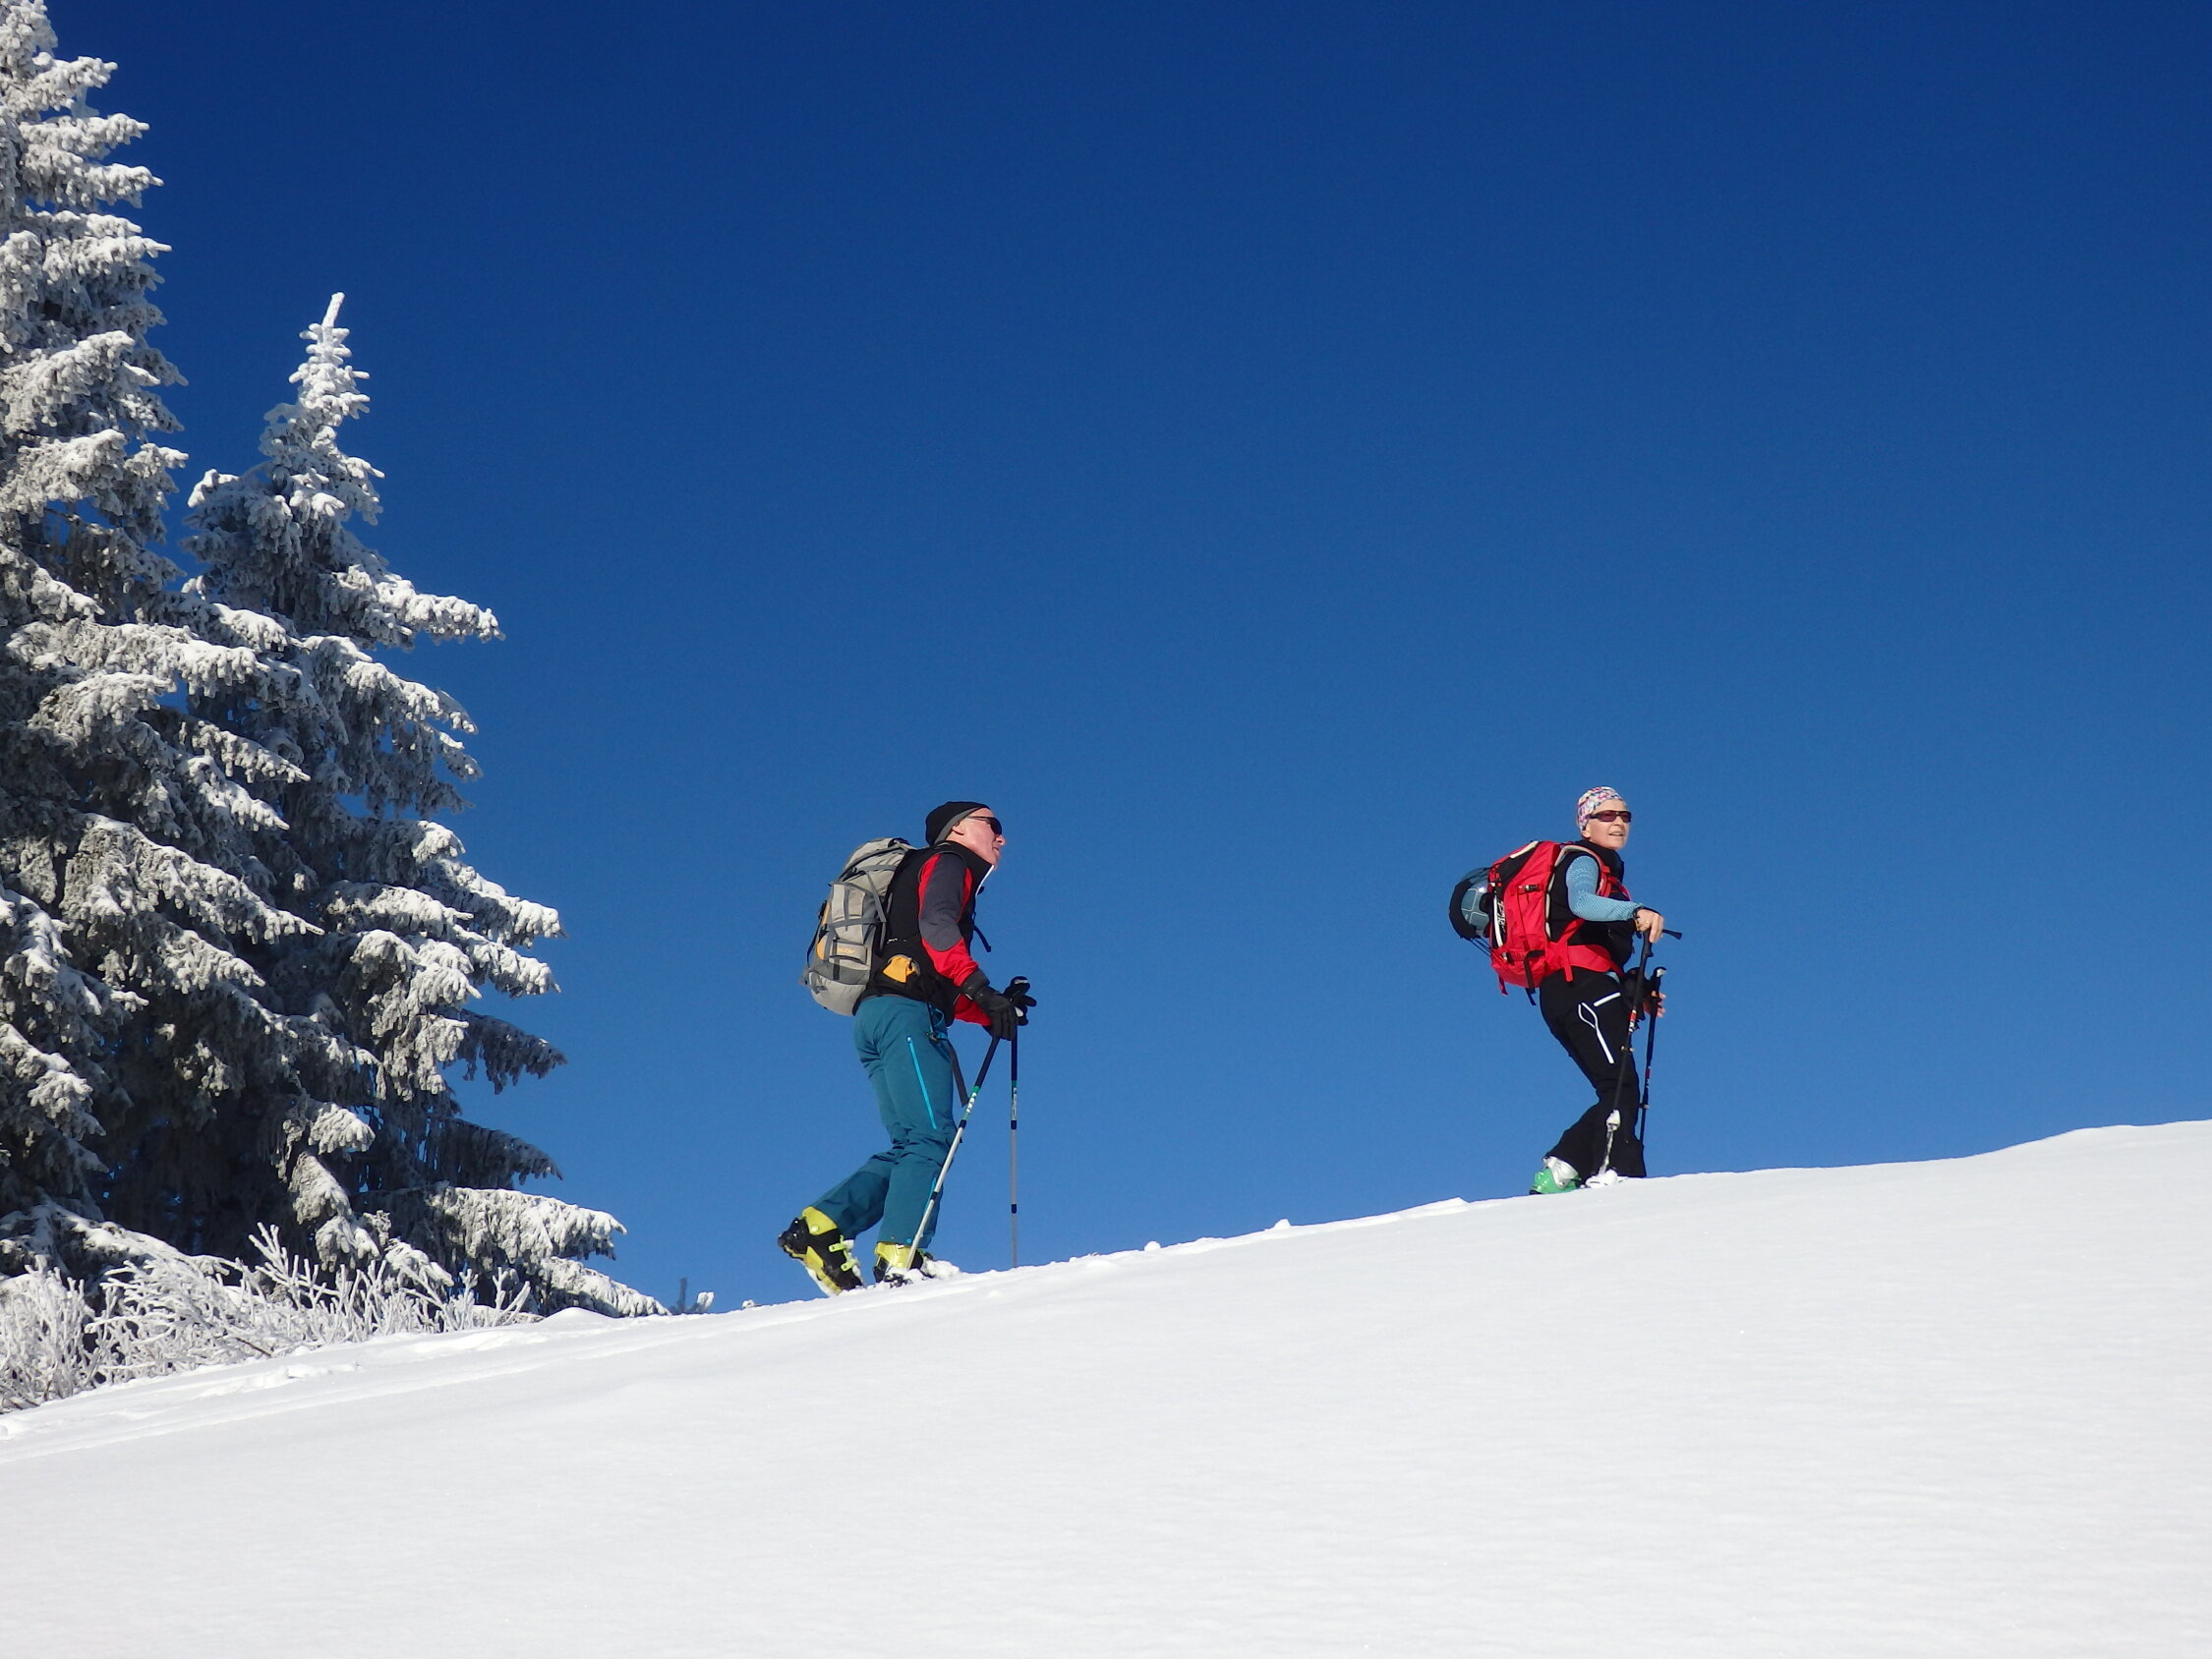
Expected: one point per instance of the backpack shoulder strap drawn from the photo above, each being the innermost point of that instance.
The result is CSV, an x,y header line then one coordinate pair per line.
x,y
1568,852
1562,924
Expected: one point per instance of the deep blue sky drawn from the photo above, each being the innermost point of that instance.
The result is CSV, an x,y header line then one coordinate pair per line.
x,y
1278,454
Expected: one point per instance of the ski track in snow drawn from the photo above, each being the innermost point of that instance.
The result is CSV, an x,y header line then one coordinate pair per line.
x,y
1903,1410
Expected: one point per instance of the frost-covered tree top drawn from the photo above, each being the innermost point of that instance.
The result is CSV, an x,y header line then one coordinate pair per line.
x,y
76,392
279,541
303,561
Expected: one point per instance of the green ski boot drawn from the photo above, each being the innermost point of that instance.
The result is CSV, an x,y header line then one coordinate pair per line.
x,y
1556,1175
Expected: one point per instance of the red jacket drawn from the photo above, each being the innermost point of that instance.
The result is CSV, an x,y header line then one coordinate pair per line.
x,y
929,918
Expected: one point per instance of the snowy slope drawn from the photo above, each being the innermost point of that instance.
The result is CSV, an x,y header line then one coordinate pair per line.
x,y
1938,1408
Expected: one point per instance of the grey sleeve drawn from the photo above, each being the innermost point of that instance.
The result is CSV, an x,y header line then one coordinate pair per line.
x,y
939,906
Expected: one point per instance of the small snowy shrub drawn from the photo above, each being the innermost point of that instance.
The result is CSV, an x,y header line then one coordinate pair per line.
x,y
169,1312
42,1350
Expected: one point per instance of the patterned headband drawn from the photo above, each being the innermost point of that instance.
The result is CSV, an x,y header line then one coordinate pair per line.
x,y
1591,800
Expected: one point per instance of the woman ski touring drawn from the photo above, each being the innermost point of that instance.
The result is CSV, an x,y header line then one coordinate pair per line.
x,y
1562,924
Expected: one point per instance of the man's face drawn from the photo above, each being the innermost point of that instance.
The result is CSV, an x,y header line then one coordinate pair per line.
x,y
1608,827
980,834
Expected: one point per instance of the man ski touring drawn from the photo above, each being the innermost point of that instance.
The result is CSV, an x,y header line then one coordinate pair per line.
x,y
1587,997
923,977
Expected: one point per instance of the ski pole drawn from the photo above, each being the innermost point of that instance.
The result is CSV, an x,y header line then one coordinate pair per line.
x,y
937,1188
1626,1068
1651,1041
1013,1150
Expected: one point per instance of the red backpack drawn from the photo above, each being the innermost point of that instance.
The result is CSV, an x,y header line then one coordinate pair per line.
x,y
1518,909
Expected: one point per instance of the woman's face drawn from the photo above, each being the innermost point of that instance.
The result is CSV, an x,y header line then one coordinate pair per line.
x,y
1608,827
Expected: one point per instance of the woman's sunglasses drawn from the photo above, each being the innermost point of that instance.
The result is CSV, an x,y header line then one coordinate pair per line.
x,y
1610,816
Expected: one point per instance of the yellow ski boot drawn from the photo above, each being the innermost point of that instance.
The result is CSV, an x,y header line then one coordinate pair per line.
x,y
819,1245
903,1264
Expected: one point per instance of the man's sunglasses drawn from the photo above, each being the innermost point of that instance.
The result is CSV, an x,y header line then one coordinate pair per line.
x,y
1610,816
997,828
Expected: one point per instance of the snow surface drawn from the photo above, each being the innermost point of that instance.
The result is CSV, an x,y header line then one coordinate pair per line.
x,y
1938,1408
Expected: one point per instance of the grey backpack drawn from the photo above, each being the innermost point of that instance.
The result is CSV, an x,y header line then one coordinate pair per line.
x,y
848,933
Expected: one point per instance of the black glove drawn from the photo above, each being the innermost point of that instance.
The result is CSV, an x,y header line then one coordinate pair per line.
x,y
1004,1012
1643,993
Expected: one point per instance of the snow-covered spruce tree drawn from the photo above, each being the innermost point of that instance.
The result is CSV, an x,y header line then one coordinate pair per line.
x,y
404,932
164,1064
51,1016
133,1046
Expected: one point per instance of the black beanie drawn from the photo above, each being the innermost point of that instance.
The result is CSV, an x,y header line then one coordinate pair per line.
x,y
943,818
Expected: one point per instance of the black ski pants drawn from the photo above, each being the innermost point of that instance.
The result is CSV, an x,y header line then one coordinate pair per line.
x,y
1588,1014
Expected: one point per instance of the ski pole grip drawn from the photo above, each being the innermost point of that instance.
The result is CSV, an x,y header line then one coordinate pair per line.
x,y
1670,932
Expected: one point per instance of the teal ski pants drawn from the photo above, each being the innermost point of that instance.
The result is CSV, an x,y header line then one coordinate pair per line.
x,y
910,1063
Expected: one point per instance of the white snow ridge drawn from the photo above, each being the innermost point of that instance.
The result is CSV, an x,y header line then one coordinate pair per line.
x,y
1937,1408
